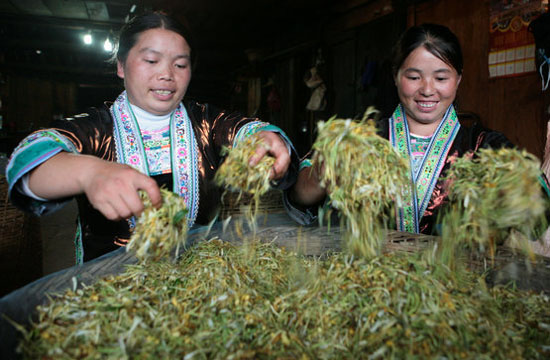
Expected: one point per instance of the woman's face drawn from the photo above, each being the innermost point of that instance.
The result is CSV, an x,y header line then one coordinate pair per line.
x,y
426,86
157,71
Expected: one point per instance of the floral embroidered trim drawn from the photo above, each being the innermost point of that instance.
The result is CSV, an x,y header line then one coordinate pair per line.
x,y
424,179
183,146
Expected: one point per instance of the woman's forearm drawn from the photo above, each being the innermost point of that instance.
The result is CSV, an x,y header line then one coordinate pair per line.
x,y
61,176
111,188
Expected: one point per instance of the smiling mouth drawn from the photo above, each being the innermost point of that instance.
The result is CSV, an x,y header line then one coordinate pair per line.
x,y
163,92
427,105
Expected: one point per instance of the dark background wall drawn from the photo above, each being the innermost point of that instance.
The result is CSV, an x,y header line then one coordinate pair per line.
x,y
249,50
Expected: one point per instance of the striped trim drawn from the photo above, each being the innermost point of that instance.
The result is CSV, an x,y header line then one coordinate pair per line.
x,y
33,151
544,182
305,163
247,130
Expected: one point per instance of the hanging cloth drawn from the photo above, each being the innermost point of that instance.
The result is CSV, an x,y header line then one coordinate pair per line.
x,y
313,80
544,75
183,150
540,27
423,180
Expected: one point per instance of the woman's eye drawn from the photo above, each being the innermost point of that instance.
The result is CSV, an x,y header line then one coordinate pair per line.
x,y
441,79
181,66
413,77
150,61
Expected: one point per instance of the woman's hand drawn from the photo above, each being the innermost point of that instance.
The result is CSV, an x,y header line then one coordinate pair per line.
x,y
276,147
308,191
111,188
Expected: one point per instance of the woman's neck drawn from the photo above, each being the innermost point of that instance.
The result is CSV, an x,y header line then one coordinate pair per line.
x,y
421,129
146,120
144,114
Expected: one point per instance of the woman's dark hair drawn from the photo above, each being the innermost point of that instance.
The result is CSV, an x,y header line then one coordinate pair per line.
x,y
131,31
437,39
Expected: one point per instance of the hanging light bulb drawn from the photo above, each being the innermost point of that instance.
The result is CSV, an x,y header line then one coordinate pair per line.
x,y
88,39
303,127
108,45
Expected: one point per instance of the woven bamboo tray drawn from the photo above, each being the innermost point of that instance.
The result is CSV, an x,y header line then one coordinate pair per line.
x,y
20,245
508,265
235,205
531,274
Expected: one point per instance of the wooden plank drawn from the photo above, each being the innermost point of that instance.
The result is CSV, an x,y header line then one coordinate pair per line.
x,y
515,106
347,5
361,15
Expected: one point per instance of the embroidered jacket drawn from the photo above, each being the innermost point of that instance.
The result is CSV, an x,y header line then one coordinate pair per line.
x,y
92,134
467,139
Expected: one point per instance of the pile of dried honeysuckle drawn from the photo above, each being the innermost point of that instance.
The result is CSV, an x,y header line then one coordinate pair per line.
x,y
258,301
236,174
495,196
365,177
160,231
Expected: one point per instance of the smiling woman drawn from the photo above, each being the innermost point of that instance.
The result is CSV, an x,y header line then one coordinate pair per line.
x,y
157,71
424,129
427,87
149,137
427,70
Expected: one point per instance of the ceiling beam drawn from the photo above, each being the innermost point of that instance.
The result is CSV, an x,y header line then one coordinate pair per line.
x,y
59,22
59,69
